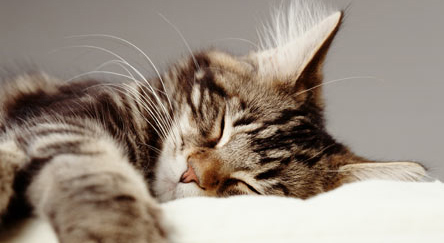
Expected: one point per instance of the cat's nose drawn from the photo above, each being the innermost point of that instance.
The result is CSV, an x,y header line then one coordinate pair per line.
x,y
189,176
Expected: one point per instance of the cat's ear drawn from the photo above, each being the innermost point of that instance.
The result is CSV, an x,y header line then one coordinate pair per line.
x,y
400,171
294,55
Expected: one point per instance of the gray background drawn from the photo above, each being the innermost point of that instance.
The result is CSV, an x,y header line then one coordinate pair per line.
x,y
397,116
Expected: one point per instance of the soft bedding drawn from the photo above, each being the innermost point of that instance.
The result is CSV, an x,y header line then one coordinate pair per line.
x,y
371,211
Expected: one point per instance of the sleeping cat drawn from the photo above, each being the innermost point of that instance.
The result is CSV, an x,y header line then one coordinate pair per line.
x,y
96,158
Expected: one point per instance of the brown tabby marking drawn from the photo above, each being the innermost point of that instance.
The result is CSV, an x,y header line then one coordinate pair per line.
x,y
95,158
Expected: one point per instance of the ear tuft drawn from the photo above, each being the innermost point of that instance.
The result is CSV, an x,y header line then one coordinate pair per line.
x,y
294,38
402,171
292,22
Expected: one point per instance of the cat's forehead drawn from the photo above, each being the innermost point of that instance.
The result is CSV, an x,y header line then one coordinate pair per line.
x,y
237,80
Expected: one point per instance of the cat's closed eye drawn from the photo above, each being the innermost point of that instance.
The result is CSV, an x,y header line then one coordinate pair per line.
x,y
235,186
249,187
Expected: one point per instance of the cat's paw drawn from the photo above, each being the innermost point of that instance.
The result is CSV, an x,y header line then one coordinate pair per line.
x,y
125,221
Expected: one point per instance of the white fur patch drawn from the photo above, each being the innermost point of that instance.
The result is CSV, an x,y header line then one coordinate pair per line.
x,y
173,163
10,152
195,95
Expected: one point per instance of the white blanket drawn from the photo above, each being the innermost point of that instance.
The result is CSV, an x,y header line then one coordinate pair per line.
x,y
372,211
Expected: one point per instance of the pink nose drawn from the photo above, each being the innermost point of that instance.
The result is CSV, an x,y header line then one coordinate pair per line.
x,y
189,176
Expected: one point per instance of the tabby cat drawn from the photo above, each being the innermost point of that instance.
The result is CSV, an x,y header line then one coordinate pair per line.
x,y
96,158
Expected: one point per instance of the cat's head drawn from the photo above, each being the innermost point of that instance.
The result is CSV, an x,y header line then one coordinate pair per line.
x,y
254,124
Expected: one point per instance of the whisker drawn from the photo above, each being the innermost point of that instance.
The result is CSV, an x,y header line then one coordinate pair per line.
x,y
135,47
158,151
182,37
143,104
97,72
337,80
121,64
129,65
156,116
117,62
109,52
318,153
161,133
166,118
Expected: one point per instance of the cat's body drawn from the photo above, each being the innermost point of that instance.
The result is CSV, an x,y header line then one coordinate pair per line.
x,y
94,158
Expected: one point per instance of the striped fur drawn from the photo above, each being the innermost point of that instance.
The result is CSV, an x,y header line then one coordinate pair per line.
x,y
94,158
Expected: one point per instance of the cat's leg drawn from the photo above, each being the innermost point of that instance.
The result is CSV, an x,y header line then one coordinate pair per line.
x,y
90,193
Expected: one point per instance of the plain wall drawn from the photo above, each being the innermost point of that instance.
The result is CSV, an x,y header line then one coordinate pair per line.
x,y
398,115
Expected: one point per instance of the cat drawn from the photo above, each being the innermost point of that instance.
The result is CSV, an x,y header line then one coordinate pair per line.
x,y
97,158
